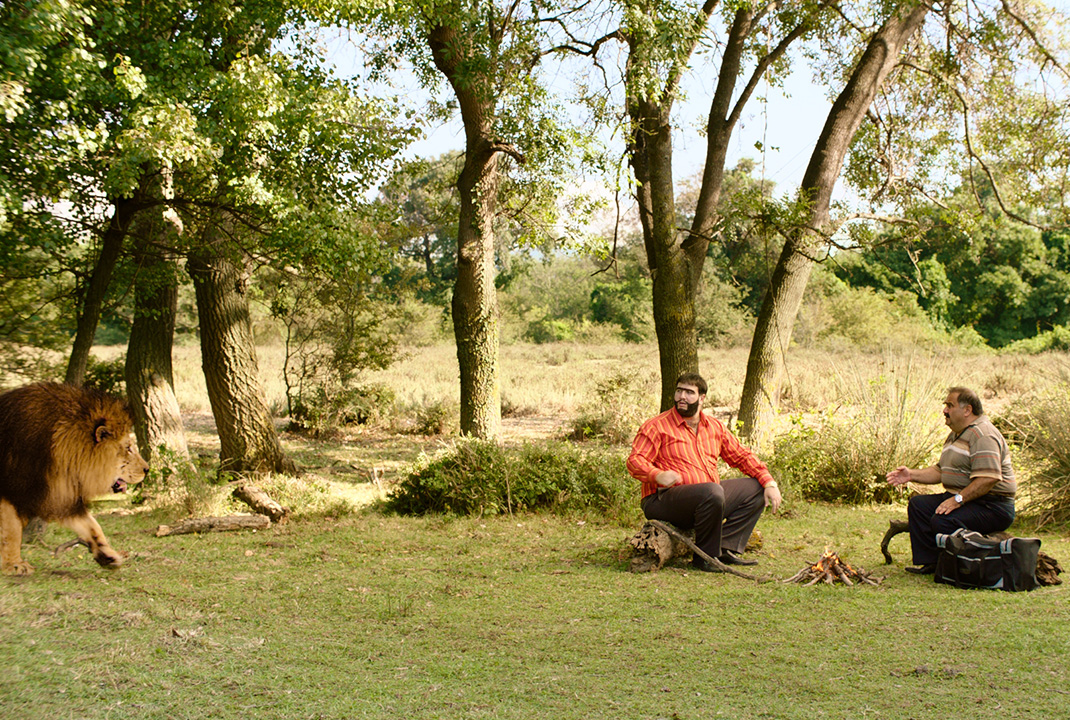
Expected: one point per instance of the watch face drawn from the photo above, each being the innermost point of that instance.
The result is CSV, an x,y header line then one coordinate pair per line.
x,y
958,499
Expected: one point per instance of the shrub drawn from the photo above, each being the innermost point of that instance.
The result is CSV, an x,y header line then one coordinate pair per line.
x,y
476,477
108,376
1058,338
1043,428
548,330
879,424
321,412
437,417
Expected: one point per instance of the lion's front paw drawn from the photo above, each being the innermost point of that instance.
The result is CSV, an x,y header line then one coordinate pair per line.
x,y
20,567
109,558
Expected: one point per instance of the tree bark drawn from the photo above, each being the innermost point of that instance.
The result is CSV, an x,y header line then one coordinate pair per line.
x,y
776,320
475,300
149,377
248,441
93,301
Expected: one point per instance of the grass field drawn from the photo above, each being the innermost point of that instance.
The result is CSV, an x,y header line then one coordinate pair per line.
x,y
347,613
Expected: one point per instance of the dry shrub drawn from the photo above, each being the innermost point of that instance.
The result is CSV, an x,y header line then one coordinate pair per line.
x,y
879,423
1042,427
622,402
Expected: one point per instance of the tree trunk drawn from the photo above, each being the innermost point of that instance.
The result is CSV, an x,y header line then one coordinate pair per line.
x,y
776,320
149,377
248,442
671,269
93,301
676,259
475,300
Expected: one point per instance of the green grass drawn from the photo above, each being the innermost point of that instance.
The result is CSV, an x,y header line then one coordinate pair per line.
x,y
371,616
344,614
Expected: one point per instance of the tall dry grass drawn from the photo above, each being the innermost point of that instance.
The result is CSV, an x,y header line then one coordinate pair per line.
x,y
558,379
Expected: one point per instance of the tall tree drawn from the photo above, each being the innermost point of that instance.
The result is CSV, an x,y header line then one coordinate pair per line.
x,y
662,39
781,304
148,372
248,442
980,93
488,52
107,95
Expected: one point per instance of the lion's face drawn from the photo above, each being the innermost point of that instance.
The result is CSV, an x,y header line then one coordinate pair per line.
x,y
132,467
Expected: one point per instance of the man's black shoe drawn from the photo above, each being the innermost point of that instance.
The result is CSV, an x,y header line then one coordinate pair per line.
x,y
730,558
927,569
700,565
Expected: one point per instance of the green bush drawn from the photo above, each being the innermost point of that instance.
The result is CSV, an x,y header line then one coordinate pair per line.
x,y
108,376
1058,338
321,412
436,417
548,330
476,477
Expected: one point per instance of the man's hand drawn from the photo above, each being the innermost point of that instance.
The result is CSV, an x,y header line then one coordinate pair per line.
x,y
773,497
667,478
947,506
899,476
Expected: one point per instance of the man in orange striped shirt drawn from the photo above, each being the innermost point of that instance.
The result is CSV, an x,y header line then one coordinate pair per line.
x,y
675,457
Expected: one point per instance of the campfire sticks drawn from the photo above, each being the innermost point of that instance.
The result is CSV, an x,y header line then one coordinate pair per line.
x,y
830,569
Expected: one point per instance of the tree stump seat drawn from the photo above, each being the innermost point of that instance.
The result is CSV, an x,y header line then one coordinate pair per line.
x,y
653,547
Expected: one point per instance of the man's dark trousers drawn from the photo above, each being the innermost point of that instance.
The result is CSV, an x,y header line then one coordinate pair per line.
x,y
722,514
986,514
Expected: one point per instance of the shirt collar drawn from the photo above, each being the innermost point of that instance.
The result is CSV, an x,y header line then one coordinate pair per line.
x,y
703,420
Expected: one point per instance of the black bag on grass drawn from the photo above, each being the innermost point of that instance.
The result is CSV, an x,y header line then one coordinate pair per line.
x,y
970,560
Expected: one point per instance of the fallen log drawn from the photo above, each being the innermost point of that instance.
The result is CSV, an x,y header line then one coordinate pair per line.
x,y
253,496
215,524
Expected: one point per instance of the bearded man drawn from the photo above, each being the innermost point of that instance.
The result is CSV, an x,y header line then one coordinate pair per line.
x,y
674,456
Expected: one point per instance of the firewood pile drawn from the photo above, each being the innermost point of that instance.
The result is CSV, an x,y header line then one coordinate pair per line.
x,y
830,569
1048,570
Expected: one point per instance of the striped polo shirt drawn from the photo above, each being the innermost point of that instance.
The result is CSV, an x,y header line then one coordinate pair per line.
x,y
666,442
978,451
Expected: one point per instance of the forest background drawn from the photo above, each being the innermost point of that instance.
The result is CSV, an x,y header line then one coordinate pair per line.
x,y
437,363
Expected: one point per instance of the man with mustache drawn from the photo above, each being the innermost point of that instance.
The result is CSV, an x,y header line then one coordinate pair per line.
x,y
674,456
975,469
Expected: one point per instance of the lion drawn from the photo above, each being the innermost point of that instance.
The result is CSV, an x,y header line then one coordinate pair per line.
x,y
61,446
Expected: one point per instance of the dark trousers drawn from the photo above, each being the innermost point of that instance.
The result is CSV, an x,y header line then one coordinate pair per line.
x,y
984,515
723,514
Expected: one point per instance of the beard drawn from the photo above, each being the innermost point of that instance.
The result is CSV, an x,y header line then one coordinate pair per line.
x,y
690,410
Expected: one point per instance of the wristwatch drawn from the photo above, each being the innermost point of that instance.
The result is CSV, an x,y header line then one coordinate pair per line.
x,y
958,498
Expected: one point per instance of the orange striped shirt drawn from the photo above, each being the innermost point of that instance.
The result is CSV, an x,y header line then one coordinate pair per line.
x,y
666,442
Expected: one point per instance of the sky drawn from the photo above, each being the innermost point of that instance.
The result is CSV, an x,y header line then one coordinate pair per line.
x,y
787,125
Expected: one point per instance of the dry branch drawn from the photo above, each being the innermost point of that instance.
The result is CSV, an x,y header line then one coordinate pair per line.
x,y
647,541
253,496
215,524
894,528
